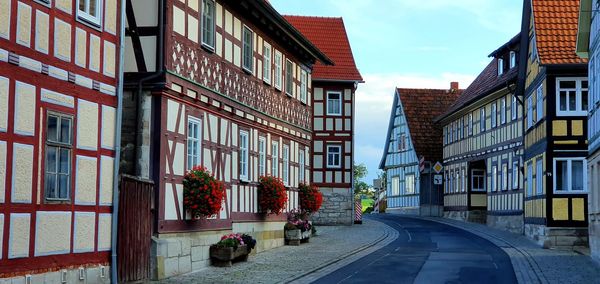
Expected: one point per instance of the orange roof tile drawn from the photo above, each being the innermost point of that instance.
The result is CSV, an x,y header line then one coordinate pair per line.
x,y
555,24
329,35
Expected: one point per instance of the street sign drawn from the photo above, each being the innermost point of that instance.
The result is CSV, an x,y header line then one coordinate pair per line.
x,y
438,167
438,179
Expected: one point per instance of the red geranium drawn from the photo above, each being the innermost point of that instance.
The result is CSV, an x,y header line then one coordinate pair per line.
x,y
272,195
202,193
310,197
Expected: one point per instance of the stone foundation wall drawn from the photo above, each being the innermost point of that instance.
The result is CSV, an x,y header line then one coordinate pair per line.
x,y
403,210
92,274
456,215
594,230
475,216
337,208
431,210
513,223
175,254
560,238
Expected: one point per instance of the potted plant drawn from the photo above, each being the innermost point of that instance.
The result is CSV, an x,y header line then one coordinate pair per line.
x,y
202,193
310,201
231,248
272,195
297,229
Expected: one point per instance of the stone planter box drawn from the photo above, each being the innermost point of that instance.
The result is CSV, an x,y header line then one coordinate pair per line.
x,y
224,257
295,237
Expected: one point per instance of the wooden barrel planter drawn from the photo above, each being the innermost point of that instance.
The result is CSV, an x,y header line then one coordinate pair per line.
x,y
295,237
226,256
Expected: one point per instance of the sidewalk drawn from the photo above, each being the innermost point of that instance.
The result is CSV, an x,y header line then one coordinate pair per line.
x,y
332,247
533,264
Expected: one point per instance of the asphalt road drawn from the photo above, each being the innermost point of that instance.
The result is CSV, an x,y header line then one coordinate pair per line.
x,y
428,252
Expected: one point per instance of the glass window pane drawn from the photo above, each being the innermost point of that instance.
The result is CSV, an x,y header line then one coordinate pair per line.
x,y
82,5
63,186
561,175
584,100
51,157
65,130
52,133
584,84
93,7
567,84
572,101
50,184
577,175
64,161
563,101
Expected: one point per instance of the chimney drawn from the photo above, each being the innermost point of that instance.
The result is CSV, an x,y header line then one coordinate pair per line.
x,y
453,85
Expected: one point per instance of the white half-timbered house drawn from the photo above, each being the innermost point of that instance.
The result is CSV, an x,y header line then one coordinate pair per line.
x,y
59,77
226,85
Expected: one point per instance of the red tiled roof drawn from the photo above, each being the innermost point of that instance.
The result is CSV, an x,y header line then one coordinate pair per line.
x,y
421,107
555,23
329,35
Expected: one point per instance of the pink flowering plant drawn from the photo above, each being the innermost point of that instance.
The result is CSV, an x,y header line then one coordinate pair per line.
x,y
236,240
298,219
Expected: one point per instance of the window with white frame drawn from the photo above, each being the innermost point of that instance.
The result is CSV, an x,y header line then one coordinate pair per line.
x,y
539,176
529,179
208,23
243,155
461,128
402,142
262,156
275,159
539,104
445,135
530,112
409,184
571,96
334,103
505,177
463,179
445,182
500,66
90,11
494,178
277,72
470,124
515,175
194,142
395,186
451,182
267,63
457,181
482,119
289,78
513,59
515,107
503,111
533,44
286,165
301,166
570,175
451,132
57,183
477,180
494,114
248,49
303,85
334,156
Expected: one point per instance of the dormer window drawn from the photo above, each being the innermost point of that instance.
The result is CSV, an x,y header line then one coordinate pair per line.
x,y
513,59
500,66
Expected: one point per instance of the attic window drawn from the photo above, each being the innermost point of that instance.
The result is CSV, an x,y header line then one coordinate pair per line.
x,y
500,66
513,59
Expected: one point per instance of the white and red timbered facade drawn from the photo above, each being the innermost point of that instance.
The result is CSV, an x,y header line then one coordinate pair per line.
x,y
58,101
226,86
333,117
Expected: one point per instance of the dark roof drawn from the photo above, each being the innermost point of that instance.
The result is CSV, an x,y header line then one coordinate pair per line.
x,y
486,83
555,23
329,35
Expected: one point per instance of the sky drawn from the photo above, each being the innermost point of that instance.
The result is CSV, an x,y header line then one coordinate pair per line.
x,y
411,44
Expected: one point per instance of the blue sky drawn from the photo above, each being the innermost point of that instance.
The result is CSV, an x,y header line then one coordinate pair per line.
x,y
411,44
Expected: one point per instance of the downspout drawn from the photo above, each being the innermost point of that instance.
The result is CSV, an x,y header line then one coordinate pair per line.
x,y
119,117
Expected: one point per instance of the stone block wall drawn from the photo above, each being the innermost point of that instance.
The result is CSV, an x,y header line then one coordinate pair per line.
x,y
403,210
337,208
93,274
560,238
513,224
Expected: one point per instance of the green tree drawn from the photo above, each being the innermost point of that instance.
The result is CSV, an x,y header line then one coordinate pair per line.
x,y
360,172
361,187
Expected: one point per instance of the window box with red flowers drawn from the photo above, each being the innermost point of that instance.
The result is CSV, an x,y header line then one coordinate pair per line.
x,y
272,195
202,193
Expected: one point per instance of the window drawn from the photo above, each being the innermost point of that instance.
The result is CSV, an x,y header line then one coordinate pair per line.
x,y
539,106
482,119
571,96
530,179
247,50
539,177
445,135
303,85
515,107
58,156
533,49
267,63
409,184
262,158
277,73
470,124
505,177
494,115
244,155
457,181
334,153
452,132
395,186
90,11
570,175
529,111
301,166
286,165
494,178
289,78
275,159
477,180
463,179
194,142
515,175
513,59
500,66
503,111
208,23
451,182
334,103
402,142
461,129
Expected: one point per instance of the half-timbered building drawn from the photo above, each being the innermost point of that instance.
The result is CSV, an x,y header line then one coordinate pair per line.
x,y
483,146
555,118
333,102
58,106
413,136
226,85
588,46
